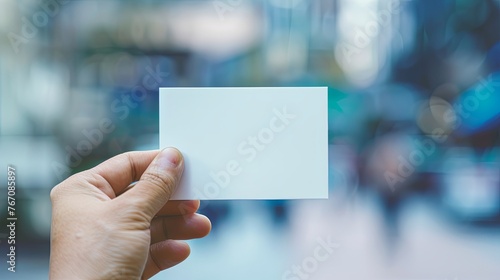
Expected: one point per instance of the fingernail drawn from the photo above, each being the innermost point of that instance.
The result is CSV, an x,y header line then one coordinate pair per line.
x,y
169,157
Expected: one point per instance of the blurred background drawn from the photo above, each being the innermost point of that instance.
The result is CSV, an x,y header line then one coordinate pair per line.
x,y
414,121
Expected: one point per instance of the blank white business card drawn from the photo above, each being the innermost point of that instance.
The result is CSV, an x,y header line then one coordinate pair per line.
x,y
248,143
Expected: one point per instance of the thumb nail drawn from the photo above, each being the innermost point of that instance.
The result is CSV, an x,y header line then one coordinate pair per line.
x,y
169,157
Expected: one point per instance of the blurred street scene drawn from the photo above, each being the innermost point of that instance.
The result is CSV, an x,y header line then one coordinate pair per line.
x,y
414,125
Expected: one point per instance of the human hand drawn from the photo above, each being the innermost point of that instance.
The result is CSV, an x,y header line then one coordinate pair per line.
x,y
99,231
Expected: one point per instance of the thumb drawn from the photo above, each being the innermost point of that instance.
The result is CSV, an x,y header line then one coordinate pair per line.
x,y
157,184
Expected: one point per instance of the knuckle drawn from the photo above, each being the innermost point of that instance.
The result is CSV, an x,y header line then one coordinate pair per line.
x,y
69,184
163,181
54,193
135,218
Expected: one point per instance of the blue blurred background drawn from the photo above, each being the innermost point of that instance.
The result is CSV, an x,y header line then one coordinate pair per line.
x,y
414,121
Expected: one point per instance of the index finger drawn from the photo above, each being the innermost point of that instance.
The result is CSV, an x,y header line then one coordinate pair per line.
x,y
179,207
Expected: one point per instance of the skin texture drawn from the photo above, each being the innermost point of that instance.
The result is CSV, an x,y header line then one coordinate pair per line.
x,y
103,230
